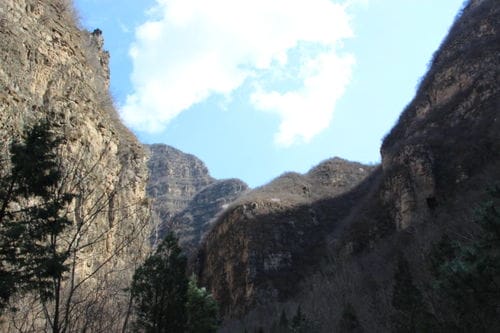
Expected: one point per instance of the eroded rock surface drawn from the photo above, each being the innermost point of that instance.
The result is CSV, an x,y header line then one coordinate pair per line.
x,y
50,69
186,199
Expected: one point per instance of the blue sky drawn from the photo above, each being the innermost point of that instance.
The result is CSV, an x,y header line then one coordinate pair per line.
x,y
257,88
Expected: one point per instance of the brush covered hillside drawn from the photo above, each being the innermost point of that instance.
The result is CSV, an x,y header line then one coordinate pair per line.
x,y
403,248
53,72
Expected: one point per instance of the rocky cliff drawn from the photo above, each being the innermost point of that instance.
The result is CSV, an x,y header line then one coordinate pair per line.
x,y
272,237
192,223
174,178
52,70
340,252
185,197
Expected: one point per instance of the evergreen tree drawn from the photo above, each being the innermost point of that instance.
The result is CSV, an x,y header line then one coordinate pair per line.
x,y
201,309
160,290
468,278
31,218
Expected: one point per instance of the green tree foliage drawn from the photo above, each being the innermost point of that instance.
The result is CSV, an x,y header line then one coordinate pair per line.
x,y
165,300
411,313
468,275
160,290
202,309
32,218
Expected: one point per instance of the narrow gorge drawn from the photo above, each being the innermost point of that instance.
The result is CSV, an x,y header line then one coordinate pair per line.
x,y
328,246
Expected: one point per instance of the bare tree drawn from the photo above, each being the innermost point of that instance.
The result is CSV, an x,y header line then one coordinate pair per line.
x,y
106,238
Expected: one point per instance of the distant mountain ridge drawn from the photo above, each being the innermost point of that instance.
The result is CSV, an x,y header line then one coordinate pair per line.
x,y
185,197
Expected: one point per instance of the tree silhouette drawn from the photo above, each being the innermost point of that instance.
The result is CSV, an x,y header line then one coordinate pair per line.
x,y
159,290
31,218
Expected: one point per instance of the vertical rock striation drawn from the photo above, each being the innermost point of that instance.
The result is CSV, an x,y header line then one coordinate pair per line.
x,y
174,178
50,69
186,199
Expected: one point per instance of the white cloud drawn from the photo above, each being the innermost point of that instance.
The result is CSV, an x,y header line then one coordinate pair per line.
x,y
191,49
307,111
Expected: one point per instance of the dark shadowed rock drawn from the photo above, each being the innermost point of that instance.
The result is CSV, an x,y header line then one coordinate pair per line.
x,y
196,219
262,246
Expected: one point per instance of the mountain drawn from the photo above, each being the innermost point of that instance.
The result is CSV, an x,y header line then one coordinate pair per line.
x,y
185,197
192,223
272,237
174,178
338,256
51,70
345,247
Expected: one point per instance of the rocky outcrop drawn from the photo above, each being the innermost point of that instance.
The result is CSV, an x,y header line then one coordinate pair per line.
x,y
185,197
261,247
49,69
192,223
449,132
174,179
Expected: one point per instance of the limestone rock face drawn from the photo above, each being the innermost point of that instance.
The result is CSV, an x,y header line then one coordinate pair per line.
x,y
185,197
50,69
262,246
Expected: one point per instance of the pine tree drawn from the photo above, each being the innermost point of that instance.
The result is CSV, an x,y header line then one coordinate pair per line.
x,y
468,275
202,309
32,219
160,290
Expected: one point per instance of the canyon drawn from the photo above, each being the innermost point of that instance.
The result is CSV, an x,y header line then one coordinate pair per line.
x,y
325,242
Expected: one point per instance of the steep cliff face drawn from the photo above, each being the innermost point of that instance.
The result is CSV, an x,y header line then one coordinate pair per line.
x,y
192,223
272,237
174,178
436,164
49,69
185,197
449,132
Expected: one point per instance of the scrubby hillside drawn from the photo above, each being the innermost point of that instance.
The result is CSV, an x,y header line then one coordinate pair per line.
x,y
270,239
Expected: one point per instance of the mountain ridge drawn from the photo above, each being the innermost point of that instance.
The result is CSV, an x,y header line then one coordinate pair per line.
x,y
436,164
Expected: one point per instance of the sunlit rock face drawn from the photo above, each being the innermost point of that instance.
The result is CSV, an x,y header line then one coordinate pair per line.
x,y
174,179
185,198
50,69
